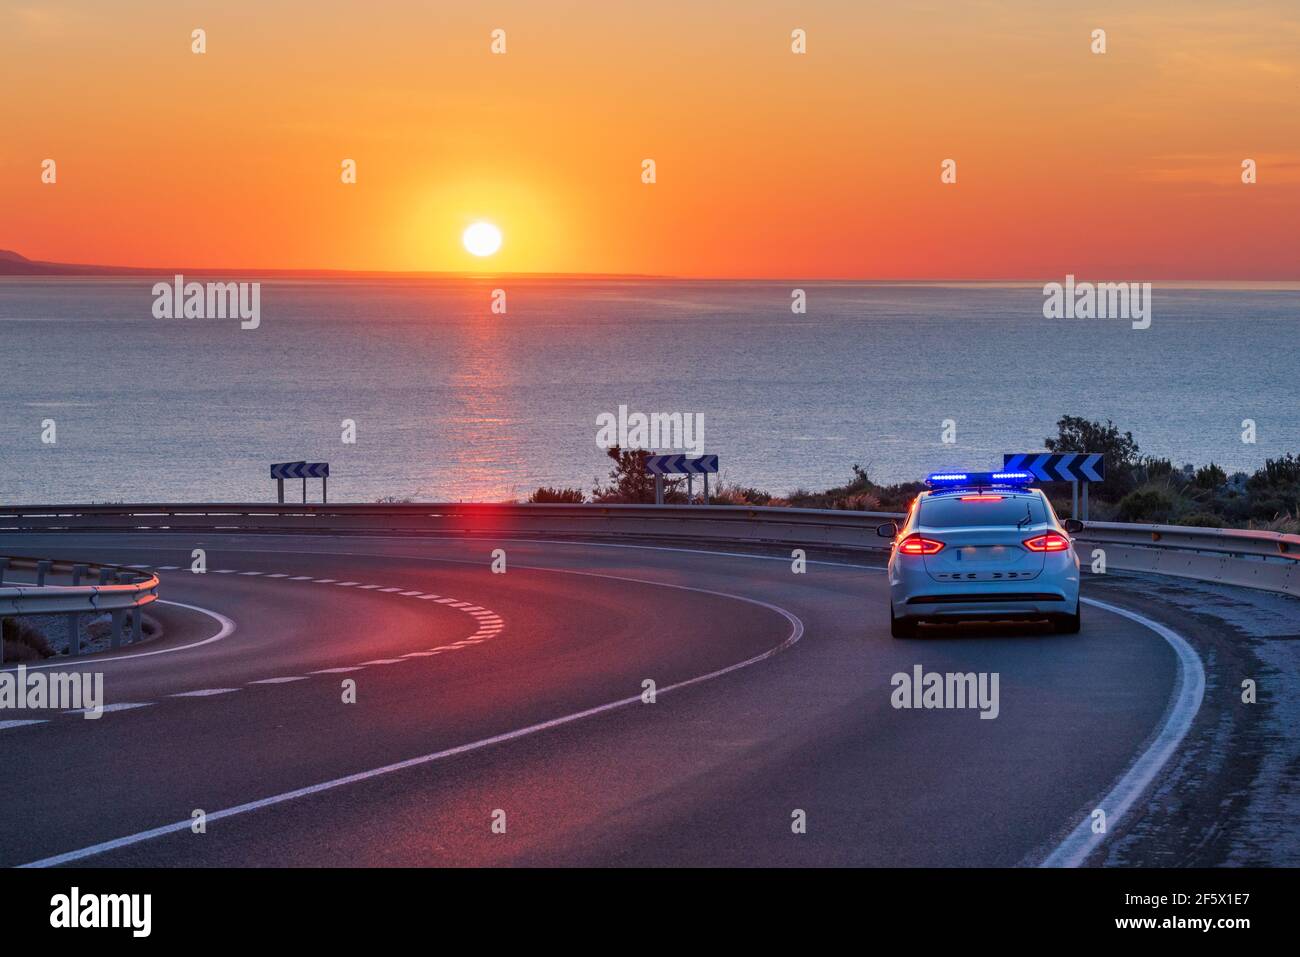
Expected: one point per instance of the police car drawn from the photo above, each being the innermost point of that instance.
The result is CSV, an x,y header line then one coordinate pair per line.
x,y
982,545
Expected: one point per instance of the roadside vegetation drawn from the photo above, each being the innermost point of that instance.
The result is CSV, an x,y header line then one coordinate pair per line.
x,y
1138,488
22,642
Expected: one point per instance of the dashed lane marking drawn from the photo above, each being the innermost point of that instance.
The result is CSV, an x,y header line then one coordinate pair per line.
x,y
120,706
278,681
488,622
796,632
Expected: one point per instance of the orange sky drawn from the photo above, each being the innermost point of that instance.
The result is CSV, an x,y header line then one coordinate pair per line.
x,y
1123,166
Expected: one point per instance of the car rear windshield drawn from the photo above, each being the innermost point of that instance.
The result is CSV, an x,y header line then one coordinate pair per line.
x,y
949,511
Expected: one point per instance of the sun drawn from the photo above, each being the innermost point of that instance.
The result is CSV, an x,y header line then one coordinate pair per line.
x,y
482,239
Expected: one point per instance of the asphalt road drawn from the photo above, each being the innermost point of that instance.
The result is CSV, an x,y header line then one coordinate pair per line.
x,y
472,693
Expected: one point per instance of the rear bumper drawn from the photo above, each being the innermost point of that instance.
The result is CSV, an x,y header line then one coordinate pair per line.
x,y
988,607
917,595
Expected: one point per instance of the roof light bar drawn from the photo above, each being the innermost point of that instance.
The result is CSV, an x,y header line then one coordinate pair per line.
x,y
941,480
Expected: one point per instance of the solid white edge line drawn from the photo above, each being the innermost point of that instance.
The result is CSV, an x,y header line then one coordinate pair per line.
x,y
796,632
1080,843
1189,690
227,629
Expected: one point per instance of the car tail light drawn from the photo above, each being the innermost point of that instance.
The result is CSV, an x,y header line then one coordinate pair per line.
x,y
914,544
982,498
1051,542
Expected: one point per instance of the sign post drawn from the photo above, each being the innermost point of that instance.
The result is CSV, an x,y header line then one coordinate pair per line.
x,y
661,465
1072,467
303,470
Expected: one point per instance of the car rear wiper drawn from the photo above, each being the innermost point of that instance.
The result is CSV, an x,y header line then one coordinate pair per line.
x,y
1028,519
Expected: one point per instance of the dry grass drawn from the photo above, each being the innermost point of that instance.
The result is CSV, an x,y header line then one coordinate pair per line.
x,y
22,642
1289,524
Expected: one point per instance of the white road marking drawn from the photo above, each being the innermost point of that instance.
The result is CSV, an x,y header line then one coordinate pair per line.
x,y
227,629
250,573
346,584
168,568
796,632
224,571
203,693
278,681
335,671
277,575
389,591
381,661
300,578
324,581
408,594
367,587
120,706
418,654
429,597
5,725
1188,693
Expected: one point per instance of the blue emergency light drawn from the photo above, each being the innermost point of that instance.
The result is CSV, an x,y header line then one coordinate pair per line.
x,y
947,480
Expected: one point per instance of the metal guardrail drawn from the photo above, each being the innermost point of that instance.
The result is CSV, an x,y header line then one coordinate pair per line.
x,y
117,591
1255,559
1231,556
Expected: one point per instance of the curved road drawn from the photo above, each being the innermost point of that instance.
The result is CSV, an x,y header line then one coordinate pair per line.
x,y
521,693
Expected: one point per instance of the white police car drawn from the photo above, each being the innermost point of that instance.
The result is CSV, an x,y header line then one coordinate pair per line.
x,y
982,545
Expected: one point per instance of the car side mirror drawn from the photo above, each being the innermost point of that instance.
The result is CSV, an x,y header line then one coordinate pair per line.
x,y
1073,526
888,530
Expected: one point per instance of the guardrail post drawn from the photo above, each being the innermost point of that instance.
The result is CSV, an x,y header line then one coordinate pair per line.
x,y
42,569
126,578
105,574
74,619
117,628
4,567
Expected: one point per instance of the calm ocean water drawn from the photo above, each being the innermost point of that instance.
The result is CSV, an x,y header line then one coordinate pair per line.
x,y
454,403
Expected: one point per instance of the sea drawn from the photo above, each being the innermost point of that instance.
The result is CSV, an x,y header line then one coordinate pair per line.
x,y
419,389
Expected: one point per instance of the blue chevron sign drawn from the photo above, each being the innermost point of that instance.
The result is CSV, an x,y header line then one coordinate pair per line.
x,y
681,464
284,470
1059,466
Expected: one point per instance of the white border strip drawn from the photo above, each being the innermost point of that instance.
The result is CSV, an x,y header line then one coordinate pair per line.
x,y
796,632
227,629
1186,702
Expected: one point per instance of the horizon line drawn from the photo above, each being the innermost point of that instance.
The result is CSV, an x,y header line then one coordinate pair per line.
x,y
52,269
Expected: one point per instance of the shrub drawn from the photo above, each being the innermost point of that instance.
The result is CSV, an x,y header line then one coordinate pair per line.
x,y
1210,477
569,496
1200,520
1155,506
630,483
860,502
1077,434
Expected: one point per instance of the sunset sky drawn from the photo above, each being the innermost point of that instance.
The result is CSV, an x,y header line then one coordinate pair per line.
x,y
1123,166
